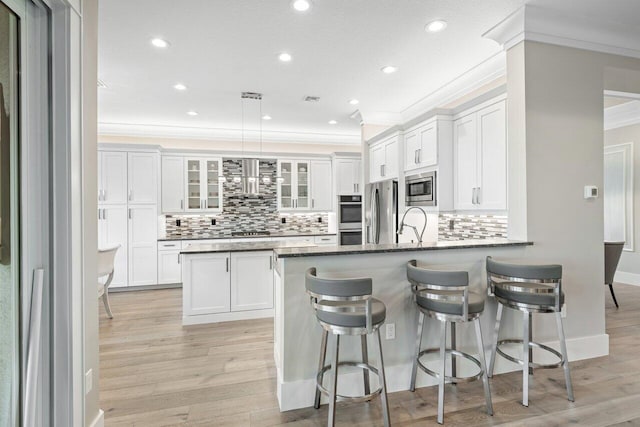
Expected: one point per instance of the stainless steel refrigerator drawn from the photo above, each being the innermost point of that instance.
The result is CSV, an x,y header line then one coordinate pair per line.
x,y
381,213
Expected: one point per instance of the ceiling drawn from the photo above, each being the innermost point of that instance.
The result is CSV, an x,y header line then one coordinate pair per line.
x,y
219,48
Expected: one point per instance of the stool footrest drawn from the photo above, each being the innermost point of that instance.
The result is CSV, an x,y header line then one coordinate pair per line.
x,y
451,379
531,364
343,398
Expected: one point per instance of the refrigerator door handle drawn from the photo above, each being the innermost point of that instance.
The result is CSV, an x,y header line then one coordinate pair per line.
x,y
33,347
377,222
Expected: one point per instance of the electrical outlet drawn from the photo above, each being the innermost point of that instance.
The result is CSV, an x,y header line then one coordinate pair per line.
x,y
178,222
320,219
88,381
390,331
213,221
563,311
283,220
451,224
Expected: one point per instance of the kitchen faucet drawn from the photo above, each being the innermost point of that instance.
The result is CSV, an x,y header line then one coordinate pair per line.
x,y
415,229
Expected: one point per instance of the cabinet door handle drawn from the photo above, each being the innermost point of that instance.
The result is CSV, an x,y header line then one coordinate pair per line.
x,y
130,194
181,204
104,214
419,155
271,262
355,188
227,265
313,203
473,196
104,195
477,195
99,214
129,213
415,157
178,258
206,203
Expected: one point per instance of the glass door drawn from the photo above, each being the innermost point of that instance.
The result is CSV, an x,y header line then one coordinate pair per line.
x,y
194,192
213,184
302,180
10,354
286,185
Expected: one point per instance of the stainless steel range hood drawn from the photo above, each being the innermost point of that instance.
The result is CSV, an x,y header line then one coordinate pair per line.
x,y
251,176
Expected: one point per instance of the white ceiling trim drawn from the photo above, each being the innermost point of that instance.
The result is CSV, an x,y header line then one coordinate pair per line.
x,y
219,134
618,116
554,27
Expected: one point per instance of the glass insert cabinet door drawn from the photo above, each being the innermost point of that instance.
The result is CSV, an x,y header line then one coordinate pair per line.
x,y
213,184
194,187
294,184
286,185
302,184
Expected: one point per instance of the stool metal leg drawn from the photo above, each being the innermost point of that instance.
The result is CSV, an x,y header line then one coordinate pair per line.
x,y
414,371
525,360
454,361
334,385
483,364
323,355
496,333
565,365
530,340
443,367
383,385
365,360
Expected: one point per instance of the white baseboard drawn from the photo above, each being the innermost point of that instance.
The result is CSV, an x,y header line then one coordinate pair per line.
x,y
301,393
200,319
99,420
627,278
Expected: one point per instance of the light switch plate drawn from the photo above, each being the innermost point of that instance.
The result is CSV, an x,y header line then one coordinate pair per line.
x,y
590,192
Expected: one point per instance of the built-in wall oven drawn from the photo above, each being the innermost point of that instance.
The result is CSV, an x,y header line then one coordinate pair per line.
x,y
421,189
350,220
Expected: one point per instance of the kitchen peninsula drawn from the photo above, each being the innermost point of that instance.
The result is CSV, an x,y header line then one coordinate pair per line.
x,y
297,333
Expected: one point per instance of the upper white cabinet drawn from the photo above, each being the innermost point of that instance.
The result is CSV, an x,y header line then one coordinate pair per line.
x,y
143,178
172,199
321,188
383,159
293,186
480,159
112,177
203,186
421,146
348,177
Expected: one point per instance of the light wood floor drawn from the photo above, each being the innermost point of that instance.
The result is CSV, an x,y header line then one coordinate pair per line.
x,y
154,372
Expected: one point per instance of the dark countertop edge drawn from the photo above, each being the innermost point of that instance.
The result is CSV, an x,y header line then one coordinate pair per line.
x,y
213,251
178,239
328,252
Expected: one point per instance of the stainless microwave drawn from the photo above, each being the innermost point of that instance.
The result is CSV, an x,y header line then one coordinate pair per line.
x,y
421,189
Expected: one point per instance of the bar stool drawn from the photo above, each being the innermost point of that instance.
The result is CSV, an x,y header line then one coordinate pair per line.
x,y
445,296
346,307
529,289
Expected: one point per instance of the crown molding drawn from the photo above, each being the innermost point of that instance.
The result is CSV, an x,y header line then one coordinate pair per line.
x,y
550,26
221,134
618,116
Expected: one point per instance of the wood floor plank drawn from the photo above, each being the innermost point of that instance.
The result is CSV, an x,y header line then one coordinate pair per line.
x,y
155,372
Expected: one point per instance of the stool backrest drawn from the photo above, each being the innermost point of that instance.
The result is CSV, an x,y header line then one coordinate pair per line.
x,y
612,252
503,274
424,281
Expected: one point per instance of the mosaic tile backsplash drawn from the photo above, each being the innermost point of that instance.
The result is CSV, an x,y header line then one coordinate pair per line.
x,y
471,226
244,212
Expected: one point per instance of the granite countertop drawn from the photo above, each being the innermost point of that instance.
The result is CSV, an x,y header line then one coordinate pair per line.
x,y
292,252
207,248
217,237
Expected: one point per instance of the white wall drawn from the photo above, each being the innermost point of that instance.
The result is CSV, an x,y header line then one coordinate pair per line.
x,y
249,146
555,126
630,261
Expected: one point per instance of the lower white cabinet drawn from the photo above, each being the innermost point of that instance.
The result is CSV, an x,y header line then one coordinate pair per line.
x,y
206,284
251,280
222,286
169,270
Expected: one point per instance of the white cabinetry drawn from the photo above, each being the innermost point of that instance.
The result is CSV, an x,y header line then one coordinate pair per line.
x,y
321,188
203,187
293,187
251,280
421,146
383,159
480,158
172,184
348,177
169,270
128,214
206,290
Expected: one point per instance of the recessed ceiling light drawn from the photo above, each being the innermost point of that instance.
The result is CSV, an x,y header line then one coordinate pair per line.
x,y
266,117
301,5
179,86
192,113
159,43
333,122
389,69
285,57
354,102
436,26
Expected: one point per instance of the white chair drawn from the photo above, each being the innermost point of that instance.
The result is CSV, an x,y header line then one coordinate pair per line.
x,y
106,259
